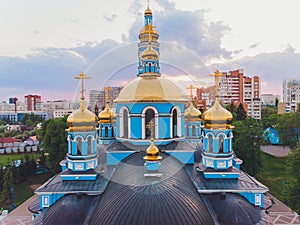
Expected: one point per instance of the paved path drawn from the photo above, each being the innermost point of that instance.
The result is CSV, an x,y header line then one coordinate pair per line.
x,y
20,215
276,150
279,213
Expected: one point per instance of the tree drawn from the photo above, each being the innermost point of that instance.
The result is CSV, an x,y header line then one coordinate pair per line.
x,y
8,184
288,129
246,144
293,173
55,142
241,114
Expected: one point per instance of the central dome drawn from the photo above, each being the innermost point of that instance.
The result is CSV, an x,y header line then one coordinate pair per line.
x,y
150,89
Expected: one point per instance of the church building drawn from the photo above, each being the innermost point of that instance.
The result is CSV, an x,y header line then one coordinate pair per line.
x,y
152,161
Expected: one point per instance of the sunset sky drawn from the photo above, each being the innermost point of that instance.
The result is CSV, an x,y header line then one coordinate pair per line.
x,y
45,43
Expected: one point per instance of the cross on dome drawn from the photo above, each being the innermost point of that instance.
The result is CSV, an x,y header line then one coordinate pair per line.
x,y
217,74
191,87
82,76
107,89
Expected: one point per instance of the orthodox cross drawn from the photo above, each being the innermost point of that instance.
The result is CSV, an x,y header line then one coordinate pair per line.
x,y
191,87
217,74
150,126
82,76
148,2
107,89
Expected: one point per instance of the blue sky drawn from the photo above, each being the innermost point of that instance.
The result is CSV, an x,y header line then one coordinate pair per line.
x,y
44,44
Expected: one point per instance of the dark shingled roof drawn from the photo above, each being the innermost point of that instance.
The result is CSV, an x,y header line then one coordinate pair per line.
x,y
130,198
244,183
234,209
69,210
56,184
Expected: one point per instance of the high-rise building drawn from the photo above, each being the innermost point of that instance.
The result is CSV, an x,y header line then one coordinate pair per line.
x,y
235,87
33,102
291,93
98,97
269,99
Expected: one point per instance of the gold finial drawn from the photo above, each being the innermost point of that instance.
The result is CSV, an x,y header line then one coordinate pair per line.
x,y
107,89
151,127
82,76
217,74
191,87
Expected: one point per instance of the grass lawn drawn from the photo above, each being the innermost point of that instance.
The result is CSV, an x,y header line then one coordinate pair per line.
x,y
273,174
5,159
23,191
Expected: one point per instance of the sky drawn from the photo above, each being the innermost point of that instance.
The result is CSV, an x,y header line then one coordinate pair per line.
x,y
44,43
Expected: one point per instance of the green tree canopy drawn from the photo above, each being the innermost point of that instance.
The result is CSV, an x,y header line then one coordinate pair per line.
x,y
241,114
246,144
293,172
54,139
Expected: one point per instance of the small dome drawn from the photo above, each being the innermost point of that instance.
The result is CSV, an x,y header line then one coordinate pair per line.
x,y
107,115
148,12
150,89
192,114
148,30
217,117
82,120
152,153
150,53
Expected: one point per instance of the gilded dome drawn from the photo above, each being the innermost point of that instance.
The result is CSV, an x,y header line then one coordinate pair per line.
x,y
192,114
148,12
150,89
152,153
107,115
149,53
82,119
146,31
217,117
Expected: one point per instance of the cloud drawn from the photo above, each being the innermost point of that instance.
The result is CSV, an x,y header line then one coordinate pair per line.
x,y
271,67
187,28
48,71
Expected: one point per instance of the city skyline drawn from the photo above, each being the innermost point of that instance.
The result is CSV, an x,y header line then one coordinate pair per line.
x,y
55,42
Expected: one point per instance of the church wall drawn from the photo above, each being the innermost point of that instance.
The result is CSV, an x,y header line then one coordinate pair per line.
x,y
256,199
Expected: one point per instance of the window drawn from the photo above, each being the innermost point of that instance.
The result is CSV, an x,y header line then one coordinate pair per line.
x,y
45,201
89,145
221,144
79,146
210,143
149,117
174,125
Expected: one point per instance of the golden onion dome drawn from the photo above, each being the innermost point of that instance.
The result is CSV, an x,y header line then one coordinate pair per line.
x,y
150,89
148,12
192,114
82,119
149,29
217,117
107,115
152,152
149,53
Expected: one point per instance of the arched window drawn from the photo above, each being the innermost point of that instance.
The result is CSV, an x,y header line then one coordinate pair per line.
x,y
221,144
186,130
106,131
193,130
210,143
125,123
112,131
90,145
175,123
78,146
149,117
